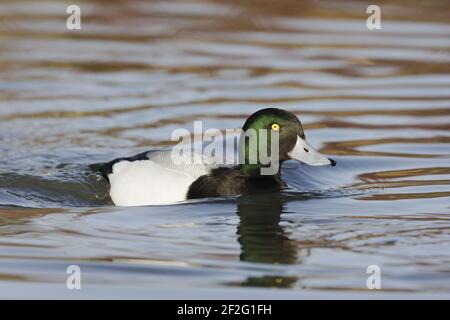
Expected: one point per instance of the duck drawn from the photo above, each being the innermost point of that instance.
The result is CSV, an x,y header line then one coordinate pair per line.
x,y
154,178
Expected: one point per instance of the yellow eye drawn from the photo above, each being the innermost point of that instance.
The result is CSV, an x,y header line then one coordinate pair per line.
x,y
275,126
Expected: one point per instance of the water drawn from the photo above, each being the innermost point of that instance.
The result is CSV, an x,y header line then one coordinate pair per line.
x,y
376,101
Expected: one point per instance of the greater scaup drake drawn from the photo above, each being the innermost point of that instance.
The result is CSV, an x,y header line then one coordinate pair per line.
x,y
153,177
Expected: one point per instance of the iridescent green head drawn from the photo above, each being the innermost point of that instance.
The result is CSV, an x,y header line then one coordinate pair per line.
x,y
276,134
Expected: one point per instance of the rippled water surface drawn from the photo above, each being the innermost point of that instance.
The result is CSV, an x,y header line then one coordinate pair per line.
x,y
376,101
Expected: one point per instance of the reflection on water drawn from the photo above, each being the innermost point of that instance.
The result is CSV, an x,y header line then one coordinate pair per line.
x,y
377,101
263,240
261,237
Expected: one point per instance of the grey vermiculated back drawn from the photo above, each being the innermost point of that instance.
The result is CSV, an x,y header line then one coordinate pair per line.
x,y
184,163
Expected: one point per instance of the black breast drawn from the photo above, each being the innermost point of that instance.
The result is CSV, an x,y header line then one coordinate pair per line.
x,y
226,181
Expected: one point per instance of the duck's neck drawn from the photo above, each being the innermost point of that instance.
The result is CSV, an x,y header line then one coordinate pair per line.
x,y
253,167
255,170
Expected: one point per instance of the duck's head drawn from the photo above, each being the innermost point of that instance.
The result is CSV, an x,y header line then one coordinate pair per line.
x,y
291,140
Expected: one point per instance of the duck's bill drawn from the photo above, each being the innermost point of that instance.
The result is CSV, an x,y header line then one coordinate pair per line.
x,y
305,153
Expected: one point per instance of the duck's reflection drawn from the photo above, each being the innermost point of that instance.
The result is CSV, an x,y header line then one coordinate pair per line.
x,y
263,240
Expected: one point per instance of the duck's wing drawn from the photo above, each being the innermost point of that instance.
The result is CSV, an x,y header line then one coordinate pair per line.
x,y
194,165
106,169
154,177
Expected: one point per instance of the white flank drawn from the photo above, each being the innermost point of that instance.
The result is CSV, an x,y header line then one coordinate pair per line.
x,y
156,181
144,182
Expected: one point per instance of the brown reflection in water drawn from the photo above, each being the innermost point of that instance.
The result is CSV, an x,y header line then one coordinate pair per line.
x,y
383,179
382,112
12,219
350,147
328,113
352,125
13,277
416,217
23,215
401,184
393,174
393,9
403,196
263,240
338,148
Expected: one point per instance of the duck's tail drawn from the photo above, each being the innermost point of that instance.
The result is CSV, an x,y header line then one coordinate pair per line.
x,y
103,168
